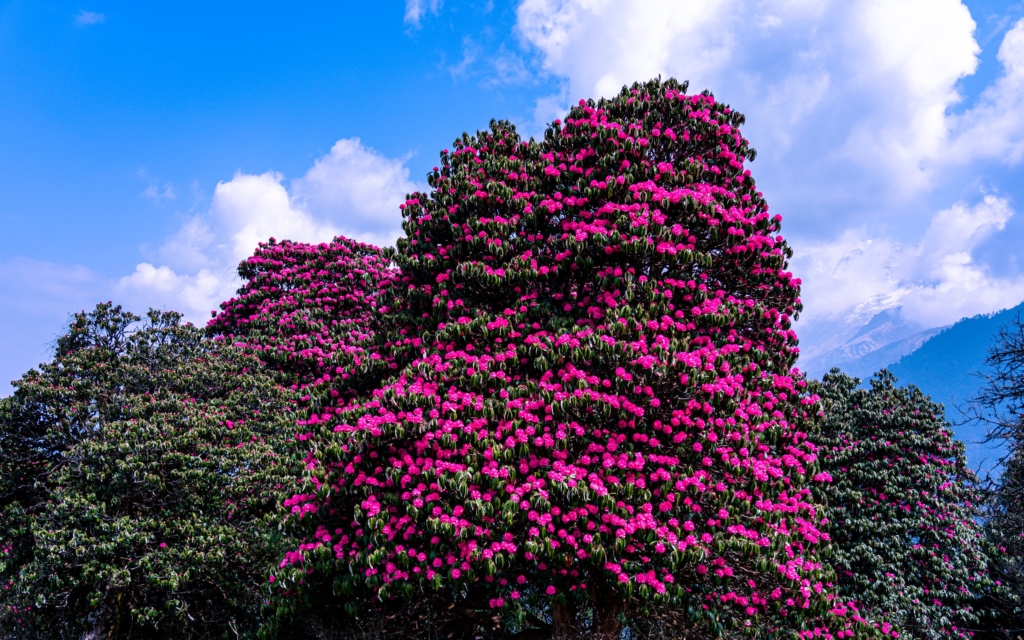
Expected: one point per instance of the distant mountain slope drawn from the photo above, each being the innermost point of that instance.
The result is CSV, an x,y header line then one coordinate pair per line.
x,y
882,341
886,356
944,362
869,325
946,367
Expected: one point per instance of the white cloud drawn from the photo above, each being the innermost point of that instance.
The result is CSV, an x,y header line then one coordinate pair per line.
x,y
868,81
154,193
852,105
599,45
470,50
86,18
353,191
936,280
358,190
194,295
995,127
416,9
949,284
249,209
508,68
839,273
913,53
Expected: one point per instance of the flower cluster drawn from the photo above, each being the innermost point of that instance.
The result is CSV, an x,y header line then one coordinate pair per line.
x,y
310,312
596,402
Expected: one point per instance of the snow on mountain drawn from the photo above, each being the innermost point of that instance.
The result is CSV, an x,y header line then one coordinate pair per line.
x,y
867,339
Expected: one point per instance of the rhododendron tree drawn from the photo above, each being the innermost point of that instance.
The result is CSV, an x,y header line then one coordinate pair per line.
x,y
137,470
600,415
311,311
908,548
312,314
1005,527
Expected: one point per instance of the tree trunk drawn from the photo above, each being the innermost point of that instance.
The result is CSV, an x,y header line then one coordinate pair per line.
x,y
608,608
104,622
563,621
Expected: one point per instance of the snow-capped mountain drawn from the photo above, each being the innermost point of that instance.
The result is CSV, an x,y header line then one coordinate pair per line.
x,y
947,363
860,351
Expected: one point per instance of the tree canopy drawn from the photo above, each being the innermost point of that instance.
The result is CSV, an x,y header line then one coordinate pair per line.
x,y
1001,405
602,412
903,505
136,473
564,405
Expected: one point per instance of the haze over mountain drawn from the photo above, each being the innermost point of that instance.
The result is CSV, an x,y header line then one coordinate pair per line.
x,y
947,363
861,348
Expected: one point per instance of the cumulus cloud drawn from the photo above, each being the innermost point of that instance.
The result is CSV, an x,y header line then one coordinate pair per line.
x,y
868,81
937,279
358,190
353,191
912,55
86,18
195,295
856,108
995,127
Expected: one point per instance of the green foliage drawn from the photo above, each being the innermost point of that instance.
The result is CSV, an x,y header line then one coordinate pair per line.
x,y
600,415
1005,527
137,471
908,549
564,405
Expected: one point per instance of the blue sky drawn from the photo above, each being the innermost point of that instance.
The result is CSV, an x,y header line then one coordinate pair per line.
x,y
146,147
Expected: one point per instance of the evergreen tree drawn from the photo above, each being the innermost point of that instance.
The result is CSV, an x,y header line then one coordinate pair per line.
x,y
315,316
309,311
1001,405
1007,534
